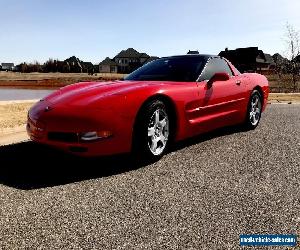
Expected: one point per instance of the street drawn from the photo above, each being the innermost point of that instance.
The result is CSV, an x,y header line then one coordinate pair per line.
x,y
202,195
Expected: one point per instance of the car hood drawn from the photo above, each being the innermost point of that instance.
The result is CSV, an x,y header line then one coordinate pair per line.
x,y
89,92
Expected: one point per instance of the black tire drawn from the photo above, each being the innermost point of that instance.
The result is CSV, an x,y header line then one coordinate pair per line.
x,y
253,118
142,141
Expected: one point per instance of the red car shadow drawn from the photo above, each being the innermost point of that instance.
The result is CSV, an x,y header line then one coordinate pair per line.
x,y
29,165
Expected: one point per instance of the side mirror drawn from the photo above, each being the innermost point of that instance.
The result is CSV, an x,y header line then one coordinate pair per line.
x,y
219,76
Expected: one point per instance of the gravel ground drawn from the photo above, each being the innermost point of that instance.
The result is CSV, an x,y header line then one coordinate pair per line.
x,y
203,195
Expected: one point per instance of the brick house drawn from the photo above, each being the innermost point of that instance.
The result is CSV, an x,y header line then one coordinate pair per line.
x,y
87,67
7,66
249,59
125,62
74,64
150,59
108,66
128,60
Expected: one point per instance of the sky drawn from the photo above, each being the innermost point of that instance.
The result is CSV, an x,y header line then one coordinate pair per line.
x,y
92,30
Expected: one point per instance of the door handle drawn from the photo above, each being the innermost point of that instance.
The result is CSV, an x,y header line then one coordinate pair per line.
x,y
238,82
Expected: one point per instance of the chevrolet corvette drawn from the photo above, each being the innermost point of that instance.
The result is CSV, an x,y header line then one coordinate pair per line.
x,y
164,101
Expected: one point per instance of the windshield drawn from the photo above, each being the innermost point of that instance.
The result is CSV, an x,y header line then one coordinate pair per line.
x,y
178,69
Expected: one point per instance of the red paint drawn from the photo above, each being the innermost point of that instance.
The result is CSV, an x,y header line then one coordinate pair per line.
x,y
113,106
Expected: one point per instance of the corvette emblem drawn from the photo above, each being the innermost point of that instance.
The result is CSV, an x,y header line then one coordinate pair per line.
x,y
48,108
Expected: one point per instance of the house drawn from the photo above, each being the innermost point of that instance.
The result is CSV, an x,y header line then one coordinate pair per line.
x,y
7,66
108,66
193,52
280,60
270,67
50,66
128,60
78,66
281,64
143,57
87,67
151,58
74,64
125,62
96,68
249,59
62,66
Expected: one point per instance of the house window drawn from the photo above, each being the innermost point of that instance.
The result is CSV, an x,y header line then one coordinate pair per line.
x,y
100,68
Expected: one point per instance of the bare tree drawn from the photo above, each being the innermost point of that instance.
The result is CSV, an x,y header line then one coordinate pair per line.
x,y
292,39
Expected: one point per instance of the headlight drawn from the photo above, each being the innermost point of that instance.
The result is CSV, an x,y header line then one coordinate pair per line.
x,y
95,135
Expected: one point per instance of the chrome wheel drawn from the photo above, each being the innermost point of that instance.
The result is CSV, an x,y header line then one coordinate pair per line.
x,y
255,110
158,131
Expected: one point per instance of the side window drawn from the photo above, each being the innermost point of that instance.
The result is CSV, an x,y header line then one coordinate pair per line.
x,y
208,71
213,66
227,68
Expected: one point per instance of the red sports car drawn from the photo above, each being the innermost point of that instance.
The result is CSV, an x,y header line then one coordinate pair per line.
x,y
166,100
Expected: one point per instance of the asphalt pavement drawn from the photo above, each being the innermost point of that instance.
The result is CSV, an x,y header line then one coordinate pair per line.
x,y
202,195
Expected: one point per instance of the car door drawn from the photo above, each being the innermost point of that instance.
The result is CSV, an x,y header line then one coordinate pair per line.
x,y
220,102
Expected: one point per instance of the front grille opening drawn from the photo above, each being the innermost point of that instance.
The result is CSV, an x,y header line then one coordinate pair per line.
x,y
63,137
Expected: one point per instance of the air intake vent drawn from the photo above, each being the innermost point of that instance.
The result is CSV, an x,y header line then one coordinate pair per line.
x,y
63,137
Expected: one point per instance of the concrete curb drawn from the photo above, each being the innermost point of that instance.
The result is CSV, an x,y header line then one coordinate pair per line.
x,y
286,103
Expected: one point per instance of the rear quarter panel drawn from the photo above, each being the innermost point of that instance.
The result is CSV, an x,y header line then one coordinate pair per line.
x,y
258,81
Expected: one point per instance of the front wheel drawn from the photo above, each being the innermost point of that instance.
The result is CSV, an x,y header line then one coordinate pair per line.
x,y
152,132
254,110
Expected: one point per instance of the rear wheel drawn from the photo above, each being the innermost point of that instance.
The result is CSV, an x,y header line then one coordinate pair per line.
x,y
152,132
254,110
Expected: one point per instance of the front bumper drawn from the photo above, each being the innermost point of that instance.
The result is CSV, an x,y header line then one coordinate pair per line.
x,y
106,146
61,128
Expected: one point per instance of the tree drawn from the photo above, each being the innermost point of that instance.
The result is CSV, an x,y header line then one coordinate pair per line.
x,y
292,39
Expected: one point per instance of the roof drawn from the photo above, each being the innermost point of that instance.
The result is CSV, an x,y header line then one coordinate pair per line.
x,y
130,52
144,55
244,55
206,56
108,61
72,59
279,58
269,59
193,52
87,64
8,64
151,58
